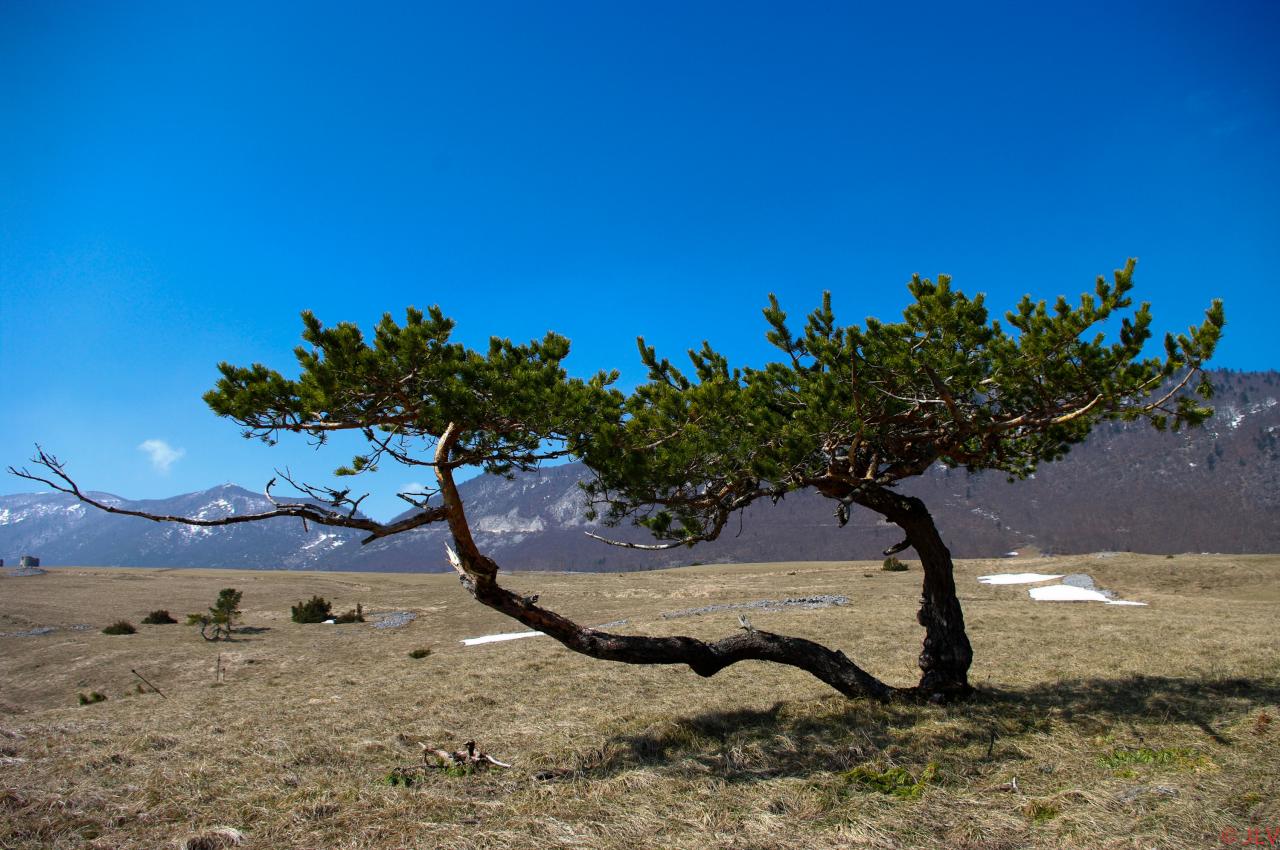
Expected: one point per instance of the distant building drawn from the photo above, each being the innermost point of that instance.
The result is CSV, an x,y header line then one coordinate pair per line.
x,y
28,561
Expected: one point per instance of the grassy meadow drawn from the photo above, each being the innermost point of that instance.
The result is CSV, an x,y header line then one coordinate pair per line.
x,y
1095,727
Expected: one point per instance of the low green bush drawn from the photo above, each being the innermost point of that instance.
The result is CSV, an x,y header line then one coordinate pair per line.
x,y
314,610
91,698
1170,756
355,616
158,617
120,627
421,652
893,565
894,781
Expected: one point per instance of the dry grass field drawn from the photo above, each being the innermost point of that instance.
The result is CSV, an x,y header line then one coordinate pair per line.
x,y
1096,726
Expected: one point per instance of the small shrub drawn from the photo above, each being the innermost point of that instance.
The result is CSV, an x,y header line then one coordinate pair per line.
x,y
1039,811
400,778
158,617
219,623
356,616
91,698
895,781
120,627
314,610
893,565
421,652
1167,757
227,607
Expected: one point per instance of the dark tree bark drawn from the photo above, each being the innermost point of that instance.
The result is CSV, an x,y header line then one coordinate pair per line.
x,y
947,654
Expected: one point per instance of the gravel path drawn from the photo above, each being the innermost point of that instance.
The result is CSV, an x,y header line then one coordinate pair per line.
x,y
394,620
805,602
36,632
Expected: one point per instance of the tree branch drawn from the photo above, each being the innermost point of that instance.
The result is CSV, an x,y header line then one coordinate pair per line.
x,y
306,512
649,547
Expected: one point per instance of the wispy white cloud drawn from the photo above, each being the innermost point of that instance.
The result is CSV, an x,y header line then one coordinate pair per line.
x,y
161,454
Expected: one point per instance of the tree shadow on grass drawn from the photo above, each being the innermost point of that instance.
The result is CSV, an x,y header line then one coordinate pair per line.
x,y
834,734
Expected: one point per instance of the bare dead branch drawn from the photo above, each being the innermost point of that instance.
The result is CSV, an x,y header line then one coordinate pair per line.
x,y
1185,379
651,547
304,511
1076,414
896,548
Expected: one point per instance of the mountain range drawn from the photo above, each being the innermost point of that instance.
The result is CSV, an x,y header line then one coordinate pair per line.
x,y
1128,487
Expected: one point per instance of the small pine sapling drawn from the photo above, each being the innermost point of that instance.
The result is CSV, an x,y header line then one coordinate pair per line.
x,y
221,619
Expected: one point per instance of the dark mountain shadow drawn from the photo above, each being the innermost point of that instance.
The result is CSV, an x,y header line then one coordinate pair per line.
x,y
800,739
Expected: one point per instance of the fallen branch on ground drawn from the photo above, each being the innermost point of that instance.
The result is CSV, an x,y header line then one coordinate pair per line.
x,y
469,758
464,761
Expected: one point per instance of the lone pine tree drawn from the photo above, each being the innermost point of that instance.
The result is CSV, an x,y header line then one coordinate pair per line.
x,y
848,411
220,622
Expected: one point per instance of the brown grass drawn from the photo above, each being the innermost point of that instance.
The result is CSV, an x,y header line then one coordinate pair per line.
x,y
1096,726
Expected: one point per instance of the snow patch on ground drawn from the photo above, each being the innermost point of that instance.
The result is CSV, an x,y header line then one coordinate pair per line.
x,y
1016,578
1068,593
1076,587
500,637
517,635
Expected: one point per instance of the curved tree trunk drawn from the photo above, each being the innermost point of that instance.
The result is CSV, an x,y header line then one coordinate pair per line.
x,y
946,656
706,658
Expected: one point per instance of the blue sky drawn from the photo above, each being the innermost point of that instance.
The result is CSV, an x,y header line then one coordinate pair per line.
x,y
178,181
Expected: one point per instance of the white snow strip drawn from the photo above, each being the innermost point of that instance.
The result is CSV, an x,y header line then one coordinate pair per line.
x,y
1067,593
1015,578
496,638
